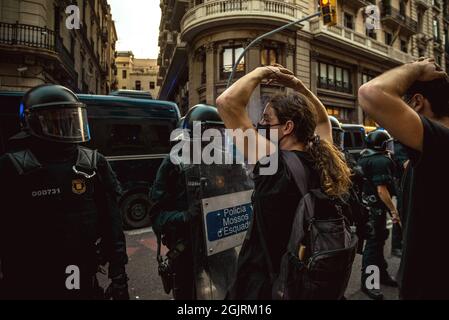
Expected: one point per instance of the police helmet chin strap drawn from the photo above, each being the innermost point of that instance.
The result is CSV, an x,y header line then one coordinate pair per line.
x,y
83,174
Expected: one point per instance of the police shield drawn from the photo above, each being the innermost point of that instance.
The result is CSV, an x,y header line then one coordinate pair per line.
x,y
220,210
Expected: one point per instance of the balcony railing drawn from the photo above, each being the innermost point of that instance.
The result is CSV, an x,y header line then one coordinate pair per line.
x,y
27,35
393,14
358,40
218,9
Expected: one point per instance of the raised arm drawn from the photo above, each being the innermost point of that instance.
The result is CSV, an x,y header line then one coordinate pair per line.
x,y
232,105
381,99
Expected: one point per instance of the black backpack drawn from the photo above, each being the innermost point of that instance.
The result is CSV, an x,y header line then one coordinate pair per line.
x,y
325,238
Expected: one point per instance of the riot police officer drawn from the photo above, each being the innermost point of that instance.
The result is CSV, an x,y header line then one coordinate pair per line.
x,y
170,214
63,199
190,270
358,212
379,170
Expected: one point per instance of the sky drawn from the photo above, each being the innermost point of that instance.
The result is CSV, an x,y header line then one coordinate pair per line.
x,y
137,24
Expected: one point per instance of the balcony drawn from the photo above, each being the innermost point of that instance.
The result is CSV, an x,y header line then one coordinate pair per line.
x,y
394,18
104,35
357,4
357,43
27,36
167,42
104,69
233,12
423,4
22,39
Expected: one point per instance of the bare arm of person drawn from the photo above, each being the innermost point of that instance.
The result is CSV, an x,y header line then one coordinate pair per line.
x,y
381,99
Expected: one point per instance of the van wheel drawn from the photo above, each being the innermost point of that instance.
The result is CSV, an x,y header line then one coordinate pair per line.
x,y
135,209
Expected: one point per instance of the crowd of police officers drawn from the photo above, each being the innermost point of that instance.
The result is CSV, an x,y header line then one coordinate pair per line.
x,y
65,198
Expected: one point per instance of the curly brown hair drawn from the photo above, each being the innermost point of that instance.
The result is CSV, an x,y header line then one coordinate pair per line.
x,y
329,162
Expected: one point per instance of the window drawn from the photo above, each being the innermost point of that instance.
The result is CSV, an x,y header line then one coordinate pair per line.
x,y
402,7
333,77
404,45
342,114
268,56
366,77
359,140
420,21
229,58
421,52
124,74
152,85
349,21
436,30
72,46
437,58
123,137
203,68
138,85
388,38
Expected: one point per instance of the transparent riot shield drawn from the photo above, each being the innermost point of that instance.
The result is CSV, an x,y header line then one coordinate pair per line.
x,y
220,208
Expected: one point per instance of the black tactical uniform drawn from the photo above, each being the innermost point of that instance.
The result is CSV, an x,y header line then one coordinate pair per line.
x,y
400,157
378,169
62,215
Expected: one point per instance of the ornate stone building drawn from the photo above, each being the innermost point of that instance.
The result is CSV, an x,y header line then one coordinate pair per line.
x,y
200,40
36,46
137,74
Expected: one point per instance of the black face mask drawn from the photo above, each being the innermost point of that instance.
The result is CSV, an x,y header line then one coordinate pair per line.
x,y
266,130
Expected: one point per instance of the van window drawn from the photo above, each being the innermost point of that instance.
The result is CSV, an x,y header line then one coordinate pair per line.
x,y
358,139
348,140
123,137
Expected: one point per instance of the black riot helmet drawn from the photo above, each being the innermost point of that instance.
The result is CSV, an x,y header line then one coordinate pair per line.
x,y
338,134
380,140
205,114
54,113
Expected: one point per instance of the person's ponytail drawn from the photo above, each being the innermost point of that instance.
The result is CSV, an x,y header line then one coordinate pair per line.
x,y
329,162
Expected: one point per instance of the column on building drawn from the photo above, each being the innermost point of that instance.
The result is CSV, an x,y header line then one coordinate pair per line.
x,y
210,73
195,65
252,61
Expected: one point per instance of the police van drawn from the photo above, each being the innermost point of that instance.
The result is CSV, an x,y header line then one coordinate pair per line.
x,y
133,134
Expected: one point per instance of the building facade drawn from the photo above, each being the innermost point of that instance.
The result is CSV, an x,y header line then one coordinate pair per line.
x,y
200,40
137,74
37,47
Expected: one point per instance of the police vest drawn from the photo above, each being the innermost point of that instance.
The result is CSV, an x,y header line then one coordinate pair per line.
x,y
370,195
54,209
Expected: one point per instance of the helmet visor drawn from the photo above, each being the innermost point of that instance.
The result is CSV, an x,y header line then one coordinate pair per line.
x,y
62,124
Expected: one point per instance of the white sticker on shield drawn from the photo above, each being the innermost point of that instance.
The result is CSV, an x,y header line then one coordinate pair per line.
x,y
226,219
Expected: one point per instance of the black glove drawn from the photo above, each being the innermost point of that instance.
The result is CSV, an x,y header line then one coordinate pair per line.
x,y
118,289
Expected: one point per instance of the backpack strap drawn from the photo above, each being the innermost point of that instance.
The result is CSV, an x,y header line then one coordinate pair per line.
x,y
86,163
24,161
297,170
301,176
